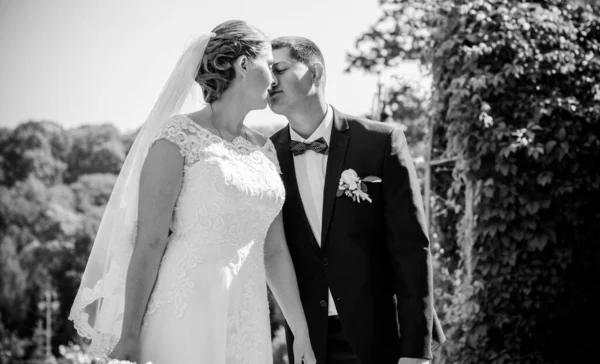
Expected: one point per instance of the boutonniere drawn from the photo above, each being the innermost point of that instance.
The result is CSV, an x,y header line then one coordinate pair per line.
x,y
354,187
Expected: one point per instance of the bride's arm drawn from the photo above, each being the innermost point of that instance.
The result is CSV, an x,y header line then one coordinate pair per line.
x,y
281,278
160,184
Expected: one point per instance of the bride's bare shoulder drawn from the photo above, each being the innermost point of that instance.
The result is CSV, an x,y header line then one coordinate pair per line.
x,y
200,118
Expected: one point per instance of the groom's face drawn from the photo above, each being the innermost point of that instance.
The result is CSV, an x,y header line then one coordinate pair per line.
x,y
292,84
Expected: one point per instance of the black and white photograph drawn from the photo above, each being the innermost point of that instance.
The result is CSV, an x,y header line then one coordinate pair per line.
x,y
299,182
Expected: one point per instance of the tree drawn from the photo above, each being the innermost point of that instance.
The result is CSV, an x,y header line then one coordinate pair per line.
x,y
4,139
92,191
516,103
406,103
96,149
12,285
47,227
34,148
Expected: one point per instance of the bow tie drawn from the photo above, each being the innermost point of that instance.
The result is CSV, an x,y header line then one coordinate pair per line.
x,y
318,146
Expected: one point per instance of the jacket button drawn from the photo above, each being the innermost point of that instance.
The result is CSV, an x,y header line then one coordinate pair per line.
x,y
323,303
325,262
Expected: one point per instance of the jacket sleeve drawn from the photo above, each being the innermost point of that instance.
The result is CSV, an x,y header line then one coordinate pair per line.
x,y
408,244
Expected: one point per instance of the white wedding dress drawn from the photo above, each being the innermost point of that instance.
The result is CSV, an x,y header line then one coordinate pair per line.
x,y
209,304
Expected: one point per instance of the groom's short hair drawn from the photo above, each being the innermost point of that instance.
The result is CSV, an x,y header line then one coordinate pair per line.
x,y
301,49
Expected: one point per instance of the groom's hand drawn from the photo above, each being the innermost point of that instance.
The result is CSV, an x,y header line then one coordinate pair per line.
x,y
413,361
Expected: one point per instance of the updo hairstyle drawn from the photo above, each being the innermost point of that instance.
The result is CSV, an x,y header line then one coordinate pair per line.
x,y
234,38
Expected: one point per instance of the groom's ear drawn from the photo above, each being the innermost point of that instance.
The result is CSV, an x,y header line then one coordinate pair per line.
x,y
318,72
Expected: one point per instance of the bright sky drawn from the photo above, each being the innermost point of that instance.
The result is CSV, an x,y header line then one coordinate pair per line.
x,y
88,61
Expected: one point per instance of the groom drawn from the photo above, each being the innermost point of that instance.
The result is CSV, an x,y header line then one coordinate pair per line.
x,y
355,244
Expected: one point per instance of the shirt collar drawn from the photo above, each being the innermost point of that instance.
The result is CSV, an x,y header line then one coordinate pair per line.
x,y
323,130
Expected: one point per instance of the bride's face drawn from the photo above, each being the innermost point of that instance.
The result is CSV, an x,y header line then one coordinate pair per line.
x,y
259,78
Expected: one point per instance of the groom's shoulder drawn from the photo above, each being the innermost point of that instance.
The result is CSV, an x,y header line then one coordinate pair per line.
x,y
276,136
362,125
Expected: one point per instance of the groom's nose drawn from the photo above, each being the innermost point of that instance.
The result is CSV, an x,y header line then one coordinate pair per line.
x,y
275,81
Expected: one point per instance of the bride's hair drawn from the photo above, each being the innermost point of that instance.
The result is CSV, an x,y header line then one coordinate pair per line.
x,y
234,38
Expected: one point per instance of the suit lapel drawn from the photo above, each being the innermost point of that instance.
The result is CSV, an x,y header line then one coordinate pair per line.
x,y
337,153
286,163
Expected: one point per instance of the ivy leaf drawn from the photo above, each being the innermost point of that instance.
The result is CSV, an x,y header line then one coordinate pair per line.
x,y
538,242
533,207
561,134
544,179
550,145
339,192
517,234
472,38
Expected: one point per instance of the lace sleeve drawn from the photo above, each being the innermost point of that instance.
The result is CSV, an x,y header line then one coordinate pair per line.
x,y
173,131
271,153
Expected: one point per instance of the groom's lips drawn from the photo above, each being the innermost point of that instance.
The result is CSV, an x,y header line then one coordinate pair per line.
x,y
273,93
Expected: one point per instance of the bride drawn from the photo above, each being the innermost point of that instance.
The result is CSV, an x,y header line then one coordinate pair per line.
x,y
193,231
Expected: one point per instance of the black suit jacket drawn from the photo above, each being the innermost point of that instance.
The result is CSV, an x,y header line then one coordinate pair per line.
x,y
374,257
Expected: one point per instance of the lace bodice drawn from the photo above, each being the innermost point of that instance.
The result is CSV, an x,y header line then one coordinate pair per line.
x,y
231,193
230,189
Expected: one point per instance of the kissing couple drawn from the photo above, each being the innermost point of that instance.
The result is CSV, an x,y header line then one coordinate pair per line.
x,y
206,212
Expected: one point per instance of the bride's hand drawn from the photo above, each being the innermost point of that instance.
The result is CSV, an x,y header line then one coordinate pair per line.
x,y
126,349
303,352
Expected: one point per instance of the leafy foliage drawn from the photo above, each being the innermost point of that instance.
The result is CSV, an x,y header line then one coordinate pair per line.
x,y
516,100
34,148
96,149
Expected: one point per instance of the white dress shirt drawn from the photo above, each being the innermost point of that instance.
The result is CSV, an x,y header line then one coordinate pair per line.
x,y
310,174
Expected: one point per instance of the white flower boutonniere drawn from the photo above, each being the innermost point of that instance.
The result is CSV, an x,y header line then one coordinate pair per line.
x,y
354,187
